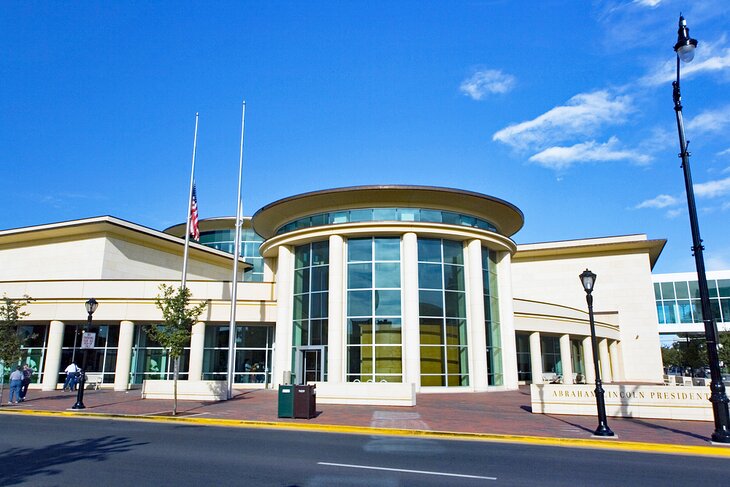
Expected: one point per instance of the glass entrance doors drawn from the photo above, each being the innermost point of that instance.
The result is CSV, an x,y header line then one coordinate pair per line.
x,y
311,362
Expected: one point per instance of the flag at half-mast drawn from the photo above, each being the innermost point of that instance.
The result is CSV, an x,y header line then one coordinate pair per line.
x,y
194,230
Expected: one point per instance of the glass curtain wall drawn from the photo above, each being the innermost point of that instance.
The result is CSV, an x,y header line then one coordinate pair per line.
x,y
491,316
679,302
152,362
250,243
524,361
374,338
442,313
102,359
310,310
33,350
253,353
551,361
576,354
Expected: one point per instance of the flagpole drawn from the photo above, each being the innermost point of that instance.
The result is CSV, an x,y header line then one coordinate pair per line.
x,y
236,256
190,205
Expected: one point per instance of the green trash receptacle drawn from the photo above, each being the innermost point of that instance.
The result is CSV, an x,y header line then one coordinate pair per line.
x,y
286,401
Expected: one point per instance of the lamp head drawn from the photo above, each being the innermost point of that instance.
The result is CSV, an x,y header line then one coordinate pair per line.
x,y
91,306
685,46
588,279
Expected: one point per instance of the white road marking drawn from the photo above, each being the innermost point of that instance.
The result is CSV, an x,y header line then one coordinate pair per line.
x,y
424,472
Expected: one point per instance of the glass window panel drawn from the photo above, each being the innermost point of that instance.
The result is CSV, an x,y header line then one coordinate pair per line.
x,y
432,362
431,380
319,305
725,305
301,307
301,333
723,286
388,331
712,286
387,303
359,303
660,313
715,306
315,332
453,252
454,363
384,214
301,256
668,290
697,310
320,253
387,275
387,249
388,378
359,276
429,250
430,216
431,331
468,221
454,277
32,335
670,313
455,304
251,337
320,278
359,250
685,311
430,303
388,360
360,331
361,215
321,219
338,217
408,215
681,290
429,276
455,332
657,291
451,218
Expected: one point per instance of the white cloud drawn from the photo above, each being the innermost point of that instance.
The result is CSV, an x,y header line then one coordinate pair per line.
x,y
713,57
674,213
487,81
581,115
564,157
661,201
724,152
711,120
648,3
713,189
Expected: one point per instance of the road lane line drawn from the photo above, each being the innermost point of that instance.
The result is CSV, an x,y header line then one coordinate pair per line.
x,y
424,472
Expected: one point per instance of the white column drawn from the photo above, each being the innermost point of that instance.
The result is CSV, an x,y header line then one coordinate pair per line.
x,y
588,358
506,321
411,331
536,358
606,375
124,356
614,350
282,353
565,359
336,318
53,356
197,345
269,272
475,318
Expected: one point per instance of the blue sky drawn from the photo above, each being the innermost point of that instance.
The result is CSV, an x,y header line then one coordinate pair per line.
x,y
563,108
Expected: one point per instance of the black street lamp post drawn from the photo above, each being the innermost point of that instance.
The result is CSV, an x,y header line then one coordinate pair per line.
x,y
685,48
588,279
91,306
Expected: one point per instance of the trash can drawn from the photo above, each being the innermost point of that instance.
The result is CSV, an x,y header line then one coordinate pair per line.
x,y
305,402
286,401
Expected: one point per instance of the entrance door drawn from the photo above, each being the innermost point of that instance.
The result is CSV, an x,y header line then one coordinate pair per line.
x,y
312,362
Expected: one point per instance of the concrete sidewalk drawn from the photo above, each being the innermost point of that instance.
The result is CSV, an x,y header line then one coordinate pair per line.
x,y
494,413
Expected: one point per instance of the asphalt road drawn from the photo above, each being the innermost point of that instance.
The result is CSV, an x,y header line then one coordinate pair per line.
x,y
42,451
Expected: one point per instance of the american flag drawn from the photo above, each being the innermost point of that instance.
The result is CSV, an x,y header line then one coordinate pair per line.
x,y
194,230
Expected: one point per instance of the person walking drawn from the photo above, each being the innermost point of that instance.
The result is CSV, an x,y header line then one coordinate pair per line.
x,y
16,378
27,375
72,371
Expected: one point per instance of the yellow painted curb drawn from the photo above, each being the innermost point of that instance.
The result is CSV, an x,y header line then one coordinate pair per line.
x,y
608,444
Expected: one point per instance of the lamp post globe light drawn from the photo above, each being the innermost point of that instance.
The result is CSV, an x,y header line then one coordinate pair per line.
x,y
685,49
588,279
91,306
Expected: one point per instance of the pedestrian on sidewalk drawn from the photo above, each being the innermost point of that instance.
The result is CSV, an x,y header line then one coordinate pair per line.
x,y
27,374
72,372
16,378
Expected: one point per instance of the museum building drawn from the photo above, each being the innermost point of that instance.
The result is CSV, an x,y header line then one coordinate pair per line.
x,y
412,285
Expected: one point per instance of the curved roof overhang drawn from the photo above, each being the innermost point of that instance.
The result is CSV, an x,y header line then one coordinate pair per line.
x,y
215,223
506,217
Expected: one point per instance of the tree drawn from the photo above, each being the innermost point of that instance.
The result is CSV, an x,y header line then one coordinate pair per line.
x,y
724,349
11,311
174,332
